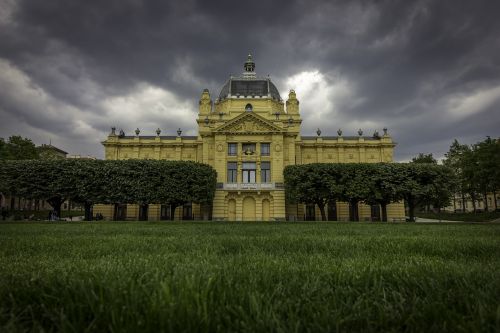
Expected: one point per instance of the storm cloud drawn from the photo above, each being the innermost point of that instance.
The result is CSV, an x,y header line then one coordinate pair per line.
x,y
427,70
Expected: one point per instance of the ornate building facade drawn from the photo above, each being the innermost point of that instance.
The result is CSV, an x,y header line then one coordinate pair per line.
x,y
249,134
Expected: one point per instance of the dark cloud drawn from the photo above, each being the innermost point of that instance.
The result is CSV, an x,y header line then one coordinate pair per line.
x,y
426,69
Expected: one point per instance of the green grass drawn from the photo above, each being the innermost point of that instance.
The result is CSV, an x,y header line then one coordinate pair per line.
x,y
288,277
466,217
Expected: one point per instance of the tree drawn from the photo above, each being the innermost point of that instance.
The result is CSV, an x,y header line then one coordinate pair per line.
x,y
315,183
385,185
425,184
36,179
487,175
355,189
442,187
88,182
424,158
93,181
18,148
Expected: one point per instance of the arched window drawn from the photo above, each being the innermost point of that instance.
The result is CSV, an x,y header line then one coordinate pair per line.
x,y
249,107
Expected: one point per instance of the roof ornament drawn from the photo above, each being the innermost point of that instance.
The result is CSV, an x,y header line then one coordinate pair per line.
x,y
179,132
122,133
318,132
158,131
385,130
249,67
376,135
360,132
339,132
113,130
137,131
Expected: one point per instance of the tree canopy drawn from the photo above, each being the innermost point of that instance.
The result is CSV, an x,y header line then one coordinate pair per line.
x,y
424,158
381,183
94,181
476,169
18,148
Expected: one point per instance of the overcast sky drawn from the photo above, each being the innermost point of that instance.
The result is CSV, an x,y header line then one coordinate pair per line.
x,y
429,71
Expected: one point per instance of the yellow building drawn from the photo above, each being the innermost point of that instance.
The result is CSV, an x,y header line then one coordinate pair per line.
x,y
249,134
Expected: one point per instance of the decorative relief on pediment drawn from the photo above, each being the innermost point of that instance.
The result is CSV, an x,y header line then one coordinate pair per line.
x,y
249,124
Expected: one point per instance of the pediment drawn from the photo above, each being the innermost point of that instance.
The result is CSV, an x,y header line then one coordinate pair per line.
x,y
248,123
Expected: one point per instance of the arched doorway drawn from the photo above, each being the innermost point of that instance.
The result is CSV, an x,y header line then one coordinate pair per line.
x,y
231,207
265,210
249,209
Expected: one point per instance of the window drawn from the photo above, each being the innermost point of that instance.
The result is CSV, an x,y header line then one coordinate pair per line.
x,y
248,107
248,148
232,149
265,149
265,172
232,172
248,172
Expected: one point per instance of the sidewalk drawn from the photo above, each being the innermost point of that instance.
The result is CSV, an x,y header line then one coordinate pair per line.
x,y
425,220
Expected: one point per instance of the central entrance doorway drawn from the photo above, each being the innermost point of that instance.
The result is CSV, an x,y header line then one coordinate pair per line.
x,y
249,209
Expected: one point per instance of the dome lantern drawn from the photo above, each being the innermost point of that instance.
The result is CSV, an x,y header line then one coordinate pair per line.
x,y
249,64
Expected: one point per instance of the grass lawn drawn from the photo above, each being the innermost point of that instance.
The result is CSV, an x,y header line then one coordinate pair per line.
x,y
251,277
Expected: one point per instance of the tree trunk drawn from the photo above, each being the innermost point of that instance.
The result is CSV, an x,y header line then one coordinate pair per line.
x,y
56,203
495,199
411,208
454,204
172,211
383,206
439,214
353,210
88,211
322,210
486,209
463,203
411,211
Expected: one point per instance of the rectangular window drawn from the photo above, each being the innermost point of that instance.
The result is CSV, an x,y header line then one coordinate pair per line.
x,y
232,172
265,172
248,148
248,172
232,149
265,149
